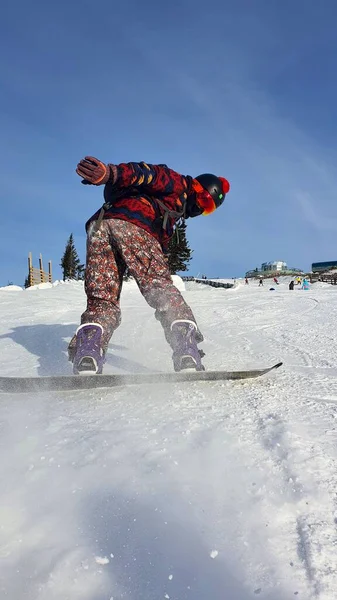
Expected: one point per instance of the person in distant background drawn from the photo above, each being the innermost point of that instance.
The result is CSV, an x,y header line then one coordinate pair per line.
x,y
305,284
143,203
261,281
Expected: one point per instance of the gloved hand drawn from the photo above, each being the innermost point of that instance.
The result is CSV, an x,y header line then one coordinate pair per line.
x,y
93,171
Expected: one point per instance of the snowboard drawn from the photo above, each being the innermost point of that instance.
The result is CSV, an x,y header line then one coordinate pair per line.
x,y
21,385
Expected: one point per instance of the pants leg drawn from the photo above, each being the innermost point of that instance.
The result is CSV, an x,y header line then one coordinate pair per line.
x,y
103,282
143,256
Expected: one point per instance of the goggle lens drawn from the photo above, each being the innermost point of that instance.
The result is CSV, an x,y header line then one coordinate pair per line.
x,y
204,199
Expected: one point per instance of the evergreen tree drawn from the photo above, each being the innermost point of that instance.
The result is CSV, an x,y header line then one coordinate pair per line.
x,y
179,252
70,263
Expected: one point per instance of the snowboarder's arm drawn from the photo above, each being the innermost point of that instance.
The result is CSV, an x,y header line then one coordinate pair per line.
x,y
151,178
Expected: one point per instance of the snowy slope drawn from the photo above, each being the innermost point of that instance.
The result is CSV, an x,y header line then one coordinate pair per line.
x,y
222,491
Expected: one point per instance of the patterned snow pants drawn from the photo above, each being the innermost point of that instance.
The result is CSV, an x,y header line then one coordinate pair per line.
x,y
119,245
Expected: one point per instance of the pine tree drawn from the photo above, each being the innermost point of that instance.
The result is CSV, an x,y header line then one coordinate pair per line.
x,y
179,252
70,263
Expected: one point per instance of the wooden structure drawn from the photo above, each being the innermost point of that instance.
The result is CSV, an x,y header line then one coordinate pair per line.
x,y
36,276
328,279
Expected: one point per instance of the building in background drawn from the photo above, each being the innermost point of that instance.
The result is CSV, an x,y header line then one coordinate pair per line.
x,y
273,268
321,267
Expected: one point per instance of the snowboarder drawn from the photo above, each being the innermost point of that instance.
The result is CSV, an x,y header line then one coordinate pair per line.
x,y
143,202
291,285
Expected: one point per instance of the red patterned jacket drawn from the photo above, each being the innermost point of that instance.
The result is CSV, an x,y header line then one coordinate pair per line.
x,y
133,197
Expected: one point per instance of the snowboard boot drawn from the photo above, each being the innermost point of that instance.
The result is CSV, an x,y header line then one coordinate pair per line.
x,y
89,355
184,344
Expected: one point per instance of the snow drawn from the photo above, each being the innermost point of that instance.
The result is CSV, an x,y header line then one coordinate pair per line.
x,y
178,282
199,490
11,288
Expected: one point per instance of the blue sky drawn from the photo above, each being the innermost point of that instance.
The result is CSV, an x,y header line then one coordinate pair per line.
x,y
245,89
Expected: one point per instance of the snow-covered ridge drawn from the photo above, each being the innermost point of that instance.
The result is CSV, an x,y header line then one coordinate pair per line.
x,y
178,282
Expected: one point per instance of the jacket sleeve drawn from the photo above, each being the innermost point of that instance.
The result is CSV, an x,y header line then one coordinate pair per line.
x,y
153,179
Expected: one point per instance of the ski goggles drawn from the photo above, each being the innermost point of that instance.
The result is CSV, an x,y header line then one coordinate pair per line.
x,y
205,201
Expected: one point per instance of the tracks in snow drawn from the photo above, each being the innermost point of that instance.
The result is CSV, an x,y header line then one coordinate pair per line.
x,y
302,514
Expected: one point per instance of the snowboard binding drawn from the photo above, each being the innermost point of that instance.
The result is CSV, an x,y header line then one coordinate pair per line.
x,y
186,354
88,356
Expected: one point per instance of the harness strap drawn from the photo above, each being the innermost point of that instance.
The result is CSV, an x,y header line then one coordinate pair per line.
x,y
174,214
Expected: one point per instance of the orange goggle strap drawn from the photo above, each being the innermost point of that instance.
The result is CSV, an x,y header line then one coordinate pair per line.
x,y
204,199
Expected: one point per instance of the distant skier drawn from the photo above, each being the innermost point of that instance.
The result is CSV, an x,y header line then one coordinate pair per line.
x,y
261,281
143,203
246,281
276,280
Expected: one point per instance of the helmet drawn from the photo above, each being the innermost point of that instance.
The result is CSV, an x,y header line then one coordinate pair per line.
x,y
209,192
217,187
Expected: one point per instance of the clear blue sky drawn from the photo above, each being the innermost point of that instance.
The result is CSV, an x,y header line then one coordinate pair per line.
x,y
245,89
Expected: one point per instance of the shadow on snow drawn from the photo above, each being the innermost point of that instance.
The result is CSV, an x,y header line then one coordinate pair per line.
x,y
49,343
157,552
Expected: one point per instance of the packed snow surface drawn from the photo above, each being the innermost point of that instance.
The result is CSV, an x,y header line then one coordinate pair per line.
x,y
190,491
